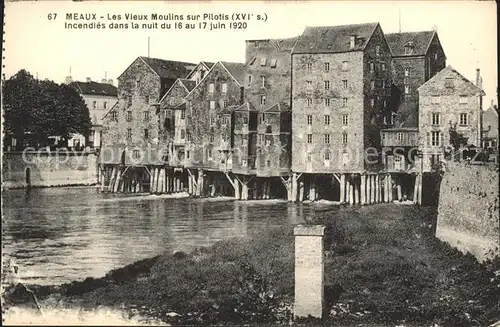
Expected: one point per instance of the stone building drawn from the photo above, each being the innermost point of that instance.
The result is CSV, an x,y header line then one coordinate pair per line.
x,y
416,57
340,91
99,98
490,128
448,101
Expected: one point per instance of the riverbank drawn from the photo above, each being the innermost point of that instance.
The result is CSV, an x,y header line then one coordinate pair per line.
x,y
383,267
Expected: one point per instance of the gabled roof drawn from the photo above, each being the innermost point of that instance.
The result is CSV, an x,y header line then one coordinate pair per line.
x,y
332,39
95,88
278,107
188,84
206,64
182,106
236,70
465,88
247,106
166,68
419,40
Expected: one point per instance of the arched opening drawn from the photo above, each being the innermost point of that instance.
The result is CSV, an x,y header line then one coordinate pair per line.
x,y
269,129
28,177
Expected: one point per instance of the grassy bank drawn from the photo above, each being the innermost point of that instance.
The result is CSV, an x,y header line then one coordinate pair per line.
x,y
383,267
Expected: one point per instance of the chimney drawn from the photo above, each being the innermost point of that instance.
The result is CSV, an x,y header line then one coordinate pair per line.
x,y
89,80
352,41
479,79
68,80
104,81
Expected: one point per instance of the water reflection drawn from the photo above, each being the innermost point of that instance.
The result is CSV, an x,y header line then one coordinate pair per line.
x,y
58,235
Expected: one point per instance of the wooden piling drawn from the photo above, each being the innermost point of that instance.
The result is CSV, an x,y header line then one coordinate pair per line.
x,y
294,187
357,200
398,185
312,188
301,191
236,185
342,188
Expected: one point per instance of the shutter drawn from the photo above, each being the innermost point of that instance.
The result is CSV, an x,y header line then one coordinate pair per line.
x,y
430,118
441,136
428,138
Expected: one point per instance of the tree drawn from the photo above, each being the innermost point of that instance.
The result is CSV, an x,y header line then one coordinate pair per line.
x,y
43,109
457,140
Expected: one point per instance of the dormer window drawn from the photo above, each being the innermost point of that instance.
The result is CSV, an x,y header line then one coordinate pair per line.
x,y
263,61
448,83
352,41
273,63
409,48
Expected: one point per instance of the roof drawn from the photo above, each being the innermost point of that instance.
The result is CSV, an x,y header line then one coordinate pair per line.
x,y
420,40
169,68
278,107
465,88
95,88
208,64
400,129
236,69
331,39
188,84
247,106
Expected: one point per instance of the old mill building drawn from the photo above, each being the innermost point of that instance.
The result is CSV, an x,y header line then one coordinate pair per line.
x,y
296,120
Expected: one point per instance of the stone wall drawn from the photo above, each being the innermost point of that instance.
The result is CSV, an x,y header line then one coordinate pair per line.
x,y
468,214
44,170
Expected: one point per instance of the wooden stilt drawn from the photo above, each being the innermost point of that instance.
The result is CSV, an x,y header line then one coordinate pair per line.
x,y
254,189
301,191
236,186
377,188
363,189
294,187
400,195
312,188
190,184
415,190
342,188
357,200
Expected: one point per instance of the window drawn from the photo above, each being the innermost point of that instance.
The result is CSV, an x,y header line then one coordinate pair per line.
x,y
183,114
397,162
212,120
146,133
263,61
309,84
129,133
345,65
136,154
372,102
372,85
463,119
382,67
273,63
400,136
224,88
211,138
383,84
448,82
114,116
146,115
129,115
435,138
268,163
225,120
327,156
344,84
309,157
436,119
222,103
129,100
245,120
211,88
209,153
435,99
146,99
309,102
309,119
327,138
244,140
309,67
407,71
243,162
407,89
377,50
183,134
327,85
463,99
344,102
383,134
327,119
263,81
105,105
94,104
345,119
262,118
372,67
408,49
249,80
344,138
327,66
309,138
212,104
327,102
189,137
261,138
262,100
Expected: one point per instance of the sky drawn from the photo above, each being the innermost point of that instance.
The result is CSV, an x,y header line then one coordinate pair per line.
x,y
467,31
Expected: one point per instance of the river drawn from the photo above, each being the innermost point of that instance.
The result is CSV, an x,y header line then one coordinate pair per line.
x,y
58,235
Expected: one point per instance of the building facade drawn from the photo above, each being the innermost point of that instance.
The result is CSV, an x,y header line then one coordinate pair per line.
x,y
99,98
341,80
448,101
